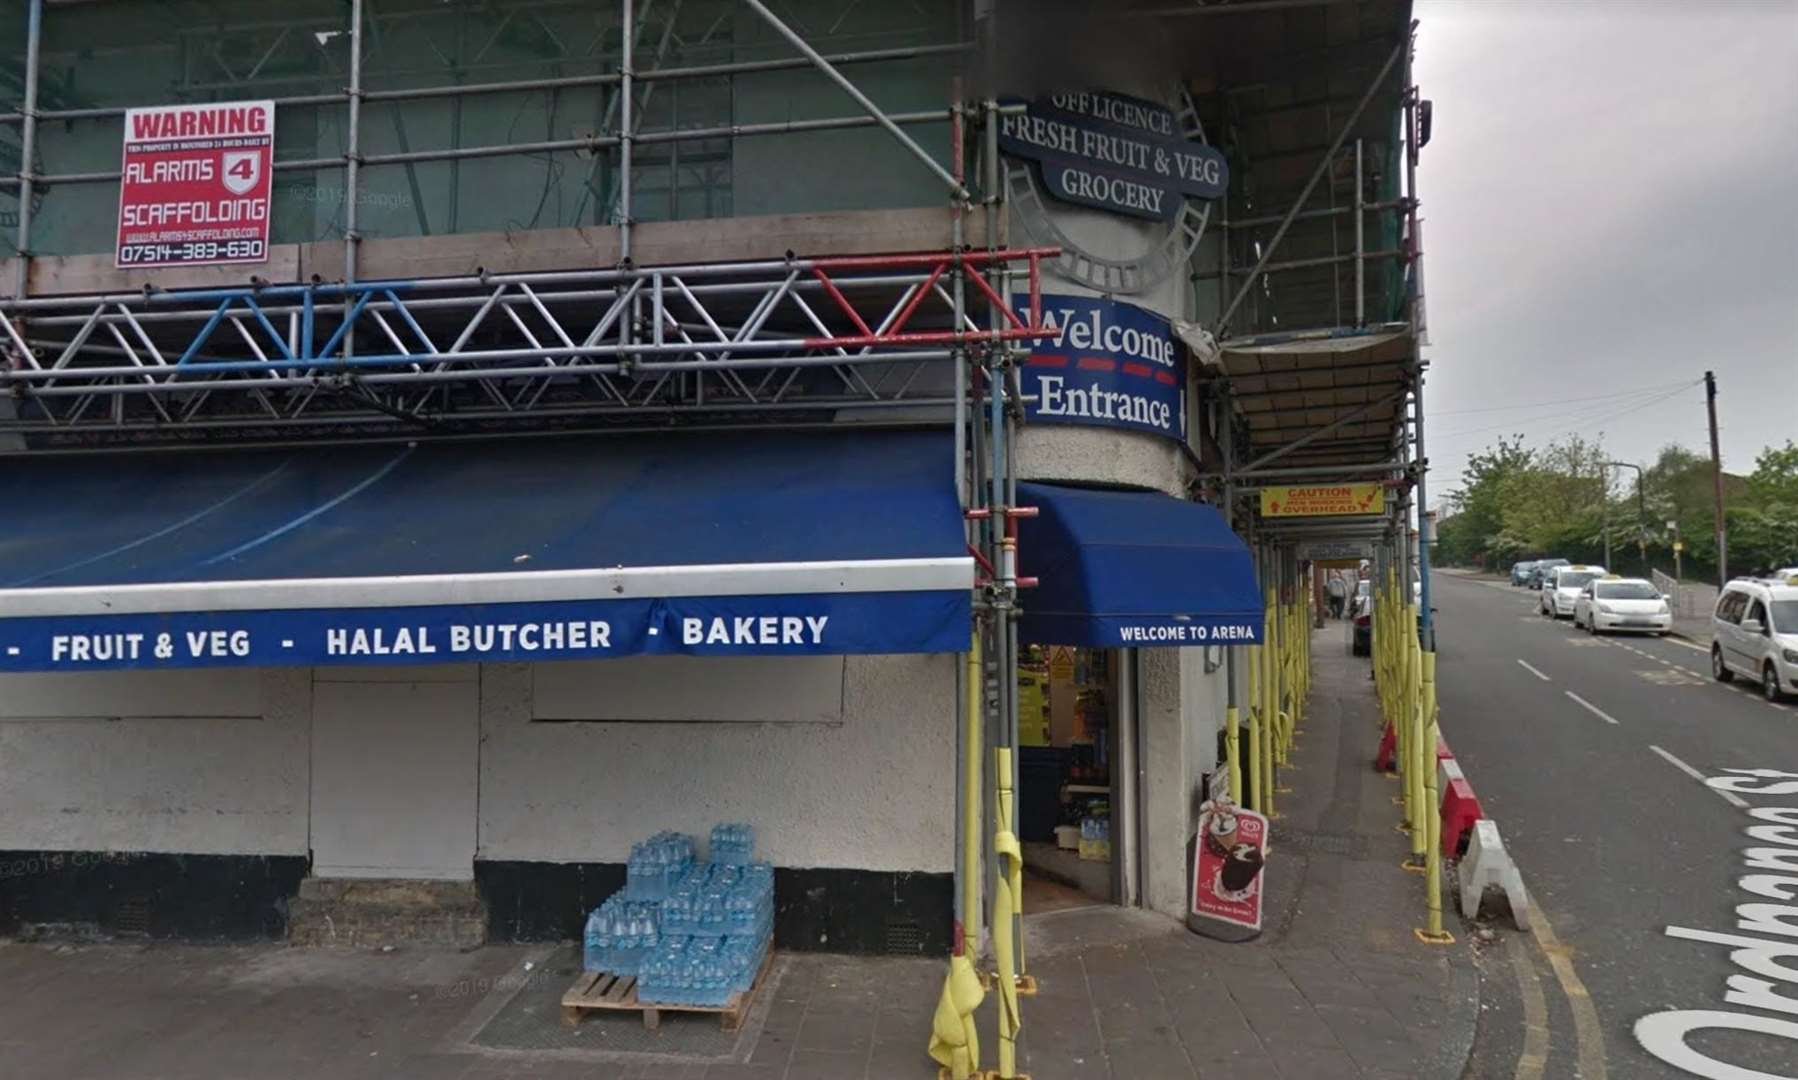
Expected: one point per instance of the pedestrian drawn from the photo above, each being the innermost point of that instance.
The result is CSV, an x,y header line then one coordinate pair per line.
x,y
1338,593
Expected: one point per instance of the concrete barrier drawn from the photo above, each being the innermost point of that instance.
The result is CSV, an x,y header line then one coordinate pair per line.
x,y
1486,864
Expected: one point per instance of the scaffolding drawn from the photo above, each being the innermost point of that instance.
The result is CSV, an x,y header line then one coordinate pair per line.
x,y
1310,283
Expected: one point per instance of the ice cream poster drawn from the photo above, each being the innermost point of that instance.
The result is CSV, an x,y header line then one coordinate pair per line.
x,y
1231,852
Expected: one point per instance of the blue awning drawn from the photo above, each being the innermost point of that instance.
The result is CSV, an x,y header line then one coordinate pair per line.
x,y
1130,568
541,549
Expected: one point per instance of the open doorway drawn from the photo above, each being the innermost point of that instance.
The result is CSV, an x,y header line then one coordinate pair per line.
x,y
1067,798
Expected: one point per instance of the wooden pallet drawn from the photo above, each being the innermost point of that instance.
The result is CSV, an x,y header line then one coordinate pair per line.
x,y
601,991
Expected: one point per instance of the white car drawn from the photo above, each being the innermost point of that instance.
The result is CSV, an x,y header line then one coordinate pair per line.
x,y
1563,587
1620,603
1754,633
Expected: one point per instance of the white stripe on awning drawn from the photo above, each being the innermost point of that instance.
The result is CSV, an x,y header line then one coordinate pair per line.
x,y
427,590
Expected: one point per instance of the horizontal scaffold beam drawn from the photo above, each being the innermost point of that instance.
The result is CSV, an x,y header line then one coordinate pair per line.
x,y
694,341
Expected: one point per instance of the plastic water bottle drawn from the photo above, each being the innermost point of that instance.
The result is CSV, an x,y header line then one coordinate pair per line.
x,y
595,942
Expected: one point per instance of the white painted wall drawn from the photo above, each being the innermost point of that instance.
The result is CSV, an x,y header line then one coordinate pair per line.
x,y
874,791
204,762
692,689
395,767
838,763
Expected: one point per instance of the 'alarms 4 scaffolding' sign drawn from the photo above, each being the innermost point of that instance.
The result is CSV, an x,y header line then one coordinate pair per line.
x,y
196,183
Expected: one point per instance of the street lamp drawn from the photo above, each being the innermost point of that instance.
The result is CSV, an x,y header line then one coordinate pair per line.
x,y
1641,515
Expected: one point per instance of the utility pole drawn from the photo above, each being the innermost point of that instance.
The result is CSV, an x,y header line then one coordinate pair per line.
x,y
1710,405
1604,501
1641,517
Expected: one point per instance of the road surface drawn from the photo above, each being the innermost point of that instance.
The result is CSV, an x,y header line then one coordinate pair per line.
x,y
1590,753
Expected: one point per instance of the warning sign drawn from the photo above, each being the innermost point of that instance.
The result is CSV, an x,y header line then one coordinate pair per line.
x,y
196,184
1327,499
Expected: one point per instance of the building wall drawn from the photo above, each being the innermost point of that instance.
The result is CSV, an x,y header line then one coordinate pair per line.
x,y
126,53
873,790
203,762
204,796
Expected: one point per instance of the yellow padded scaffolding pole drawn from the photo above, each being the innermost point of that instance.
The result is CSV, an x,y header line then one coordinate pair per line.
x,y
1270,673
1433,934
1423,753
954,1033
1006,896
1255,692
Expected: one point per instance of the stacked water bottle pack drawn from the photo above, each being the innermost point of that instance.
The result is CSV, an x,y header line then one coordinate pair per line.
x,y
692,933
657,865
620,933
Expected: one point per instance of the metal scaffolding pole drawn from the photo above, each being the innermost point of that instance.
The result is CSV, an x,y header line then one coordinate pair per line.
x,y
853,91
352,157
626,130
1317,174
1341,421
1413,241
28,145
1421,470
1360,239
1226,431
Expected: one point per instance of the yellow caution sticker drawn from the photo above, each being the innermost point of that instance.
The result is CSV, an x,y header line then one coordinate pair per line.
x,y
1323,500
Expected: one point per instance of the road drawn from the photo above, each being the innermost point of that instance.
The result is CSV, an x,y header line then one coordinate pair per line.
x,y
1584,750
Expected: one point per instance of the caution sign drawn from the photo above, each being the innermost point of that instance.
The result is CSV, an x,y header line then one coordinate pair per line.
x,y
1323,500
196,184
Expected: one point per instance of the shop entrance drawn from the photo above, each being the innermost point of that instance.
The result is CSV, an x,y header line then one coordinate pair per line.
x,y
1068,699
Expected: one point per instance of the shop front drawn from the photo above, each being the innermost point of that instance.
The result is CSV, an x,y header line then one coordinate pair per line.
x,y
496,663
1122,576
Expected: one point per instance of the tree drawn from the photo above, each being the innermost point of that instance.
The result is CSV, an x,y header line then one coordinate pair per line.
x,y
1477,506
1763,526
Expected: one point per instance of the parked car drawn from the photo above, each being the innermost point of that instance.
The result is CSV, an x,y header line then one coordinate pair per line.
x,y
1520,572
1754,633
1361,644
1619,603
1542,568
1562,589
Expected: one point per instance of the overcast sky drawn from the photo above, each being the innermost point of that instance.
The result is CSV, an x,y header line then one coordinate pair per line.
x,y
1610,203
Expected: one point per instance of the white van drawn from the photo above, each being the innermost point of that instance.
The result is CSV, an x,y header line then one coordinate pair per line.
x,y
1754,633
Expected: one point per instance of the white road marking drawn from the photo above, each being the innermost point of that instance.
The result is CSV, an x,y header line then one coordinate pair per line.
x,y
1729,797
1685,644
1527,667
1591,708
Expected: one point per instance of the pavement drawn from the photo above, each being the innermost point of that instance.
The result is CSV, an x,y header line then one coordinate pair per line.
x,y
1589,752
1337,986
